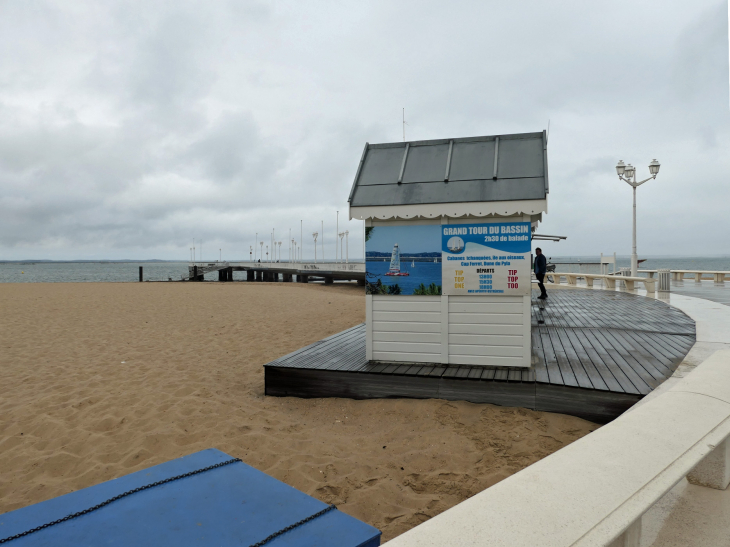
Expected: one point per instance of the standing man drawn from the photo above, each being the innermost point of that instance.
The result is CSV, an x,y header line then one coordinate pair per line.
x,y
540,271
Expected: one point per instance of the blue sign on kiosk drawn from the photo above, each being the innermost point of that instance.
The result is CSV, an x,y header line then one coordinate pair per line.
x,y
228,504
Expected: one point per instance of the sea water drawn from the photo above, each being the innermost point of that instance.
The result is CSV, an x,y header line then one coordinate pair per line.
x,y
576,264
421,272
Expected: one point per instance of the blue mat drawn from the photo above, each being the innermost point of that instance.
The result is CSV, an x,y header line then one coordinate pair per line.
x,y
231,505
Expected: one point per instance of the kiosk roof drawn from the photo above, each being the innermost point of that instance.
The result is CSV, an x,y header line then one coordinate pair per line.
x,y
474,169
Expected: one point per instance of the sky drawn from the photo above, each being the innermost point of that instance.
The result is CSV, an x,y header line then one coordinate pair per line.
x,y
424,238
129,128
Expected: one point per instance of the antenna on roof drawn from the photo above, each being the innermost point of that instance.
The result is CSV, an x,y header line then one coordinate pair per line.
x,y
547,137
404,124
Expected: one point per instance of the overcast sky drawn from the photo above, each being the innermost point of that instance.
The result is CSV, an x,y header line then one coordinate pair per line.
x,y
128,129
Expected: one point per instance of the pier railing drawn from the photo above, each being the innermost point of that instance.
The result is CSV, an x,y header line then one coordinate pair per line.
x,y
328,270
596,490
310,266
610,281
678,275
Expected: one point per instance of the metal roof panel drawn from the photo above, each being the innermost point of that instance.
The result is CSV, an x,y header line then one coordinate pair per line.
x,y
381,166
426,163
450,192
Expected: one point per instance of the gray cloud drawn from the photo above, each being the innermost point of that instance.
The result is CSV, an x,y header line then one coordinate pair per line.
x,y
128,129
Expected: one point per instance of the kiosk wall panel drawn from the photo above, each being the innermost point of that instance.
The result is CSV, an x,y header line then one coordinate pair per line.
x,y
406,328
487,330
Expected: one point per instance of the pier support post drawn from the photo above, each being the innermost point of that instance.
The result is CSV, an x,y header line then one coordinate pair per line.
x,y
631,536
714,470
328,280
249,275
229,271
220,275
195,273
257,275
361,282
140,274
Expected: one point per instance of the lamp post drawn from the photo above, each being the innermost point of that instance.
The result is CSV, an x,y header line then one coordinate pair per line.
x,y
314,235
347,246
267,254
342,235
279,259
261,254
250,253
627,173
257,242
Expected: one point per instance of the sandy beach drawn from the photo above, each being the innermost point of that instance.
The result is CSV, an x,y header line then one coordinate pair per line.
x,y
98,380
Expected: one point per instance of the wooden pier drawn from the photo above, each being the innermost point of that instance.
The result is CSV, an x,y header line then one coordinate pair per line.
x,y
594,355
300,272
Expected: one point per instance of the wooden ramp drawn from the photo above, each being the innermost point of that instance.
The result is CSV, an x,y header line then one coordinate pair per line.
x,y
595,354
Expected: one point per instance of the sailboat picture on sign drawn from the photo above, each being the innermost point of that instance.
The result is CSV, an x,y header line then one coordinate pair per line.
x,y
403,260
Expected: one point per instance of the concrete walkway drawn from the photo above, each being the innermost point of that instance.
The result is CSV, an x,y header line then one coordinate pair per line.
x,y
705,289
689,515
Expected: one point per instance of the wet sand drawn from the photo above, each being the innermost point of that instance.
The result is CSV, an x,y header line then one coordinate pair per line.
x,y
98,380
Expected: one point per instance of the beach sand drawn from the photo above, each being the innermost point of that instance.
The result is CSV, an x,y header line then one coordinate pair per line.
x,y
98,380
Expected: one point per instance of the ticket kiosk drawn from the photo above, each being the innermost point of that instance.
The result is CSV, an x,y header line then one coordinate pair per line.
x,y
448,241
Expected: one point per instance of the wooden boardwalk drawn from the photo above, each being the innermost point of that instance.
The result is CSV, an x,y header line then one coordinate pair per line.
x,y
595,353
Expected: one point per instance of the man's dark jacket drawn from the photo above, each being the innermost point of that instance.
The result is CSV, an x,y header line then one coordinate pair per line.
x,y
540,264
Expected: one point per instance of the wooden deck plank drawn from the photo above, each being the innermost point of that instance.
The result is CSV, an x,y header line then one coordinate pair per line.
x,y
514,375
576,365
451,371
634,355
592,371
541,372
475,373
643,381
463,372
569,378
657,346
625,380
488,373
638,350
555,375
501,374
